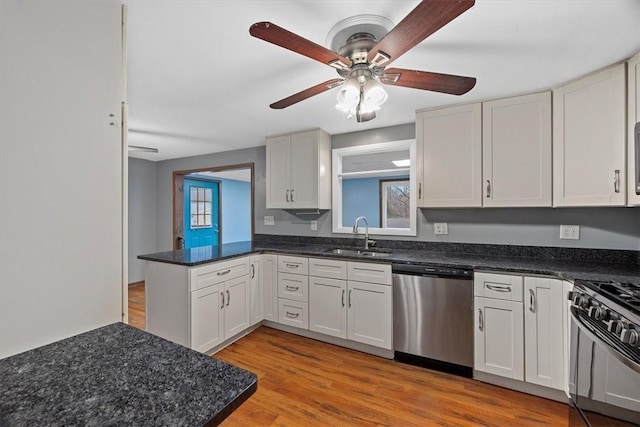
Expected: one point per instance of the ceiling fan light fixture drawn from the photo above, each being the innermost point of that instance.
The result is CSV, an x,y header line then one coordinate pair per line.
x,y
348,96
374,96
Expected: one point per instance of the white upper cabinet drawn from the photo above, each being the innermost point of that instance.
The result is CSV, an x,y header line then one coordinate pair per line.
x,y
516,151
589,135
299,171
449,145
633,193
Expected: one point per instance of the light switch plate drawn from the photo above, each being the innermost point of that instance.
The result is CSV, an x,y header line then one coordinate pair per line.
x,y
314,225
440,228
570,232
268,220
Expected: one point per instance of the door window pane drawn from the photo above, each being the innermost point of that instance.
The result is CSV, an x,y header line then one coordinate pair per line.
x,y
200,202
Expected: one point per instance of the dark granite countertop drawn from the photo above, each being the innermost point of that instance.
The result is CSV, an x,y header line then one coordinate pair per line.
x,y
119,375
554,264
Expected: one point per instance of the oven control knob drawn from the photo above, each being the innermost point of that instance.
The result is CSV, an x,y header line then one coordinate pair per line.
x,y
630,336
616,327
581,301
599,313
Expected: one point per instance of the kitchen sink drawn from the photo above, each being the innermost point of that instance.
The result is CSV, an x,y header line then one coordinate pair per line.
x,y
359,252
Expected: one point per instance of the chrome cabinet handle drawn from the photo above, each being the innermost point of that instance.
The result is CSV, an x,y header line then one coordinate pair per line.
x,y
292,315
222,293
228,298
287,196
292,194
349,297
498,288
420,190
343,297
532,301
292,265
222,273
480,320
488,189
616,181
253,271
292,288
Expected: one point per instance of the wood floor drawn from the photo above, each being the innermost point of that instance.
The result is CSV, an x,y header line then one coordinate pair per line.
x,y
302,382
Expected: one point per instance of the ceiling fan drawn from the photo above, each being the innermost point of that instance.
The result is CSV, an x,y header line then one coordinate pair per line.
x,y
361,62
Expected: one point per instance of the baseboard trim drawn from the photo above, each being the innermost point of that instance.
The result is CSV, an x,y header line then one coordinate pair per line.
x,y
376,351
521,386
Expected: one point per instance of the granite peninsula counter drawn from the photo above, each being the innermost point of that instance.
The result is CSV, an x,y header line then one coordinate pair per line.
x,y
119,375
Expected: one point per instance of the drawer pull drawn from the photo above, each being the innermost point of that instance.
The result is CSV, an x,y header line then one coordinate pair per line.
x,y
499,288
292,288
292,265
222,273
292,315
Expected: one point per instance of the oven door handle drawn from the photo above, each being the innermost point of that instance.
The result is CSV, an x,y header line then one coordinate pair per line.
x,y
602,341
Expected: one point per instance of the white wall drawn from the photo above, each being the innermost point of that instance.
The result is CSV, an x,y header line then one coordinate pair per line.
x,y
604,228
61,244
142,214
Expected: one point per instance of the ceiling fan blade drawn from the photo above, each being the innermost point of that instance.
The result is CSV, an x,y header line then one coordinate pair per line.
x,y
427,18
279,36
436,82
307,93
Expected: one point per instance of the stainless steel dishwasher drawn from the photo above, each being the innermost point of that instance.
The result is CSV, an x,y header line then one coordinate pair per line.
x,y
433,317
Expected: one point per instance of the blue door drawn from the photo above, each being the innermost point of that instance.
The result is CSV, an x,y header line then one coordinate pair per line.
x,y
201,213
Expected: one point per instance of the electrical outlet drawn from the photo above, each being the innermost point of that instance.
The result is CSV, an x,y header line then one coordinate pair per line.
x,y
440,228
314,225
268,220
571,232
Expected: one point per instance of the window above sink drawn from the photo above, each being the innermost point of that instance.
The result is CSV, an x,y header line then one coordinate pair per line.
x,y
377,181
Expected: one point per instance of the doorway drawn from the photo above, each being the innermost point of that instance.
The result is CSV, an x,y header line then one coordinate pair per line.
x,y
213,206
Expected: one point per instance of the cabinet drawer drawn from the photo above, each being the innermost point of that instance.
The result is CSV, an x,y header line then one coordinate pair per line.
x,y
293,286
369,272
293,264
200,277
330,268
293,313
498,286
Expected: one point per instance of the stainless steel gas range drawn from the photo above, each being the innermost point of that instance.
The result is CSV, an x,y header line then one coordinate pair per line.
x,y
604,377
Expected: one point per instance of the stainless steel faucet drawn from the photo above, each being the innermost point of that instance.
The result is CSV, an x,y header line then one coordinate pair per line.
x,y
367,242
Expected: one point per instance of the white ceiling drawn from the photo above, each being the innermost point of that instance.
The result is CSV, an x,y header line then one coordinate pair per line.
x,y
199,83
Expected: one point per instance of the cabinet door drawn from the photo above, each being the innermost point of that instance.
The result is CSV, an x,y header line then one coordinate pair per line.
x,y
516,151
278,177
328,306
633,99
207,326
449,142
589,135
304,170
369,314
237,304
543,332
256,290
270,287
499,338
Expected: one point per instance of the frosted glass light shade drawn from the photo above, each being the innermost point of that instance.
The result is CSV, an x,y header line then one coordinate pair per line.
x,y
374,96
348,96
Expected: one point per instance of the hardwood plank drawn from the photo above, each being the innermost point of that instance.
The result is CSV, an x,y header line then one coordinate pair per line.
x,y
303,382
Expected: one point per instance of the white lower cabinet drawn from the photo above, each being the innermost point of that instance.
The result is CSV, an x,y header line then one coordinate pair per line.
x,y
520,328
327,306
257,306
499,337
351,309
207,323
543,331
218,312
369,315
270,287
